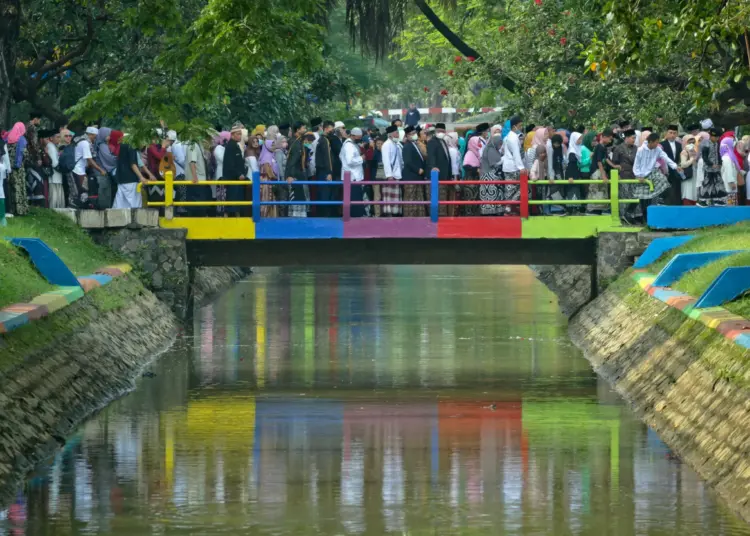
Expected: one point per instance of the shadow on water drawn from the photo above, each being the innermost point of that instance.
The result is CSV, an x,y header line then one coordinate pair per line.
x,y
373,400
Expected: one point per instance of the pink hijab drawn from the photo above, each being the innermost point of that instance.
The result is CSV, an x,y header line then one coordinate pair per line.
x,y
18,130
726,148
540,137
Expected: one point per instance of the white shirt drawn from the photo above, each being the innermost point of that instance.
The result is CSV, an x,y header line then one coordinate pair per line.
x,y
54,158
392,159
673,146
512,161
82,154
251,165
4,172
728,173
351,161
645,160
455,158
178,151
219,157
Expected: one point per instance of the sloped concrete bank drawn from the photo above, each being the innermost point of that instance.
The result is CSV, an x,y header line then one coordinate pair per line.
x,y
685,381
92,359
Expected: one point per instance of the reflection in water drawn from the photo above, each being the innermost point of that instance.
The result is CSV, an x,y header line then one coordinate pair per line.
x,y
405,400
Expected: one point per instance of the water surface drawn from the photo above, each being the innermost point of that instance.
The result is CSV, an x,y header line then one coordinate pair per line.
x,y
373,400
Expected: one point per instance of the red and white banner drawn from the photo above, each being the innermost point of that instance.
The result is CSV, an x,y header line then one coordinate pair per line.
x,y
398,112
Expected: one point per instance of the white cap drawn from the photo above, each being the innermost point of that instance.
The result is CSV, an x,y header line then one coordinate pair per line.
x,y
706,124
172,135
92,130
339,124
356,131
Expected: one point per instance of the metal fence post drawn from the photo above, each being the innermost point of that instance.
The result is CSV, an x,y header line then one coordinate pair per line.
x,y
347,210
256,196
524,194
168,195
614,196
434,196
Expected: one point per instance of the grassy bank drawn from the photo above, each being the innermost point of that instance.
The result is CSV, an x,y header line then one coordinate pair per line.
x,y
694,283
20,280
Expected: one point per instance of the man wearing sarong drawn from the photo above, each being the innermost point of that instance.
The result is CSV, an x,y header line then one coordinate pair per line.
x,y
646,166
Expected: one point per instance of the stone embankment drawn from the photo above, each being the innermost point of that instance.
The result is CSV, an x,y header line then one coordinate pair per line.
x,y
685,380
82,368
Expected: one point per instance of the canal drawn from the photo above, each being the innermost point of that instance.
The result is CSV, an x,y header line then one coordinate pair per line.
x,y
373,400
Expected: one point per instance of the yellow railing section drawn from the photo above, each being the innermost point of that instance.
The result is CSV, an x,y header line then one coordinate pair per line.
x,y
169,184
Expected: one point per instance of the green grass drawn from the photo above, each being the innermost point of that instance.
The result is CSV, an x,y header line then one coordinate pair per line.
x,y
724,359
19,280
714,239
74,246
18,345
697,281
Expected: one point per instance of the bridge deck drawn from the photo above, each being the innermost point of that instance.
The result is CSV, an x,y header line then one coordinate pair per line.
x,y
561,227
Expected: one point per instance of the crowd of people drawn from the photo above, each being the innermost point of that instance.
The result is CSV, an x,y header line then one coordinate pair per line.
x,y
97,168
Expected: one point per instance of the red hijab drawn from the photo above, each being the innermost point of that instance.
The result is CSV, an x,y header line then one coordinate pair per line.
x,y
114,142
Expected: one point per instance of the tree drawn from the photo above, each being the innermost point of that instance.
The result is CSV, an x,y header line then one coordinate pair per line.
x,y
701,48
543,47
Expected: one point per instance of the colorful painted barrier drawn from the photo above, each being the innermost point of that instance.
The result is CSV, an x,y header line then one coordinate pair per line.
x,y
19,314
732,326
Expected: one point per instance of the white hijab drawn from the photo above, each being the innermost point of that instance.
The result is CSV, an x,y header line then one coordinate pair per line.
x,y
573,146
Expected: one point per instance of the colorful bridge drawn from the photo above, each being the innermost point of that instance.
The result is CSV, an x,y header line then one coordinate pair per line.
x,y
516,238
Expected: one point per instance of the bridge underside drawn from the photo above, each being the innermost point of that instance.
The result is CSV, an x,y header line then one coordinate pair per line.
x,y
306,252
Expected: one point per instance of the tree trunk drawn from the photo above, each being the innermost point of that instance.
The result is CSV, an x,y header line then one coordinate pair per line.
x,y
10,27
456,41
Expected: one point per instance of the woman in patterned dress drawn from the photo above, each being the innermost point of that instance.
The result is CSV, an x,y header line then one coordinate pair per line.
x,y
18,201
491,169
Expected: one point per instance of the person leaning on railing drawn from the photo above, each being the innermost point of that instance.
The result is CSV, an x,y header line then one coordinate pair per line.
x,y
130,171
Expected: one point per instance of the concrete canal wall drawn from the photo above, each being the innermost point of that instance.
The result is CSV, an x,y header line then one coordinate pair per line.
x,y
685,380
56,371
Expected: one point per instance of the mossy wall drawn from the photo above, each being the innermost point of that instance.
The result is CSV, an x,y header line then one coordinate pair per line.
x,y
686,381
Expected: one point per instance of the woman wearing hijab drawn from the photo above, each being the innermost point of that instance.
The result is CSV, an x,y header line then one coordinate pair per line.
x,y
689,163
731,169
492,170
556,161
574,192
472,165
17,199
217,168
269,171
711,188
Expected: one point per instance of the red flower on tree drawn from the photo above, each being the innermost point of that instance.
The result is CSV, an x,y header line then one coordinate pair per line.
x,y
551,32
501,29
426,89
450,72
470,58
563,41
538,2
457,59
444,92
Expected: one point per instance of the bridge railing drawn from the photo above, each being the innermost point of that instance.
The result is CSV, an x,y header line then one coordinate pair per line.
x,y
523,202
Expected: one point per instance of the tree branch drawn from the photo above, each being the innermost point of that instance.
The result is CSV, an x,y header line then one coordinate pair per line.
x,y
78,51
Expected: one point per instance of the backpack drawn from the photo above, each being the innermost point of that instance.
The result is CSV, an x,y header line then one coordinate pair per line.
x,y
67,160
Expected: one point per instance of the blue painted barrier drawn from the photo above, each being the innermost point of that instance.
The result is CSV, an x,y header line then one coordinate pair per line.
x,y
732,283
256,196
659,247
675,217
54,270
685,262
289,228
434,196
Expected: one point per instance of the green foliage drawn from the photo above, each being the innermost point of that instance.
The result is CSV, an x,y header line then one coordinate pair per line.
x,y
555,53
71,243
